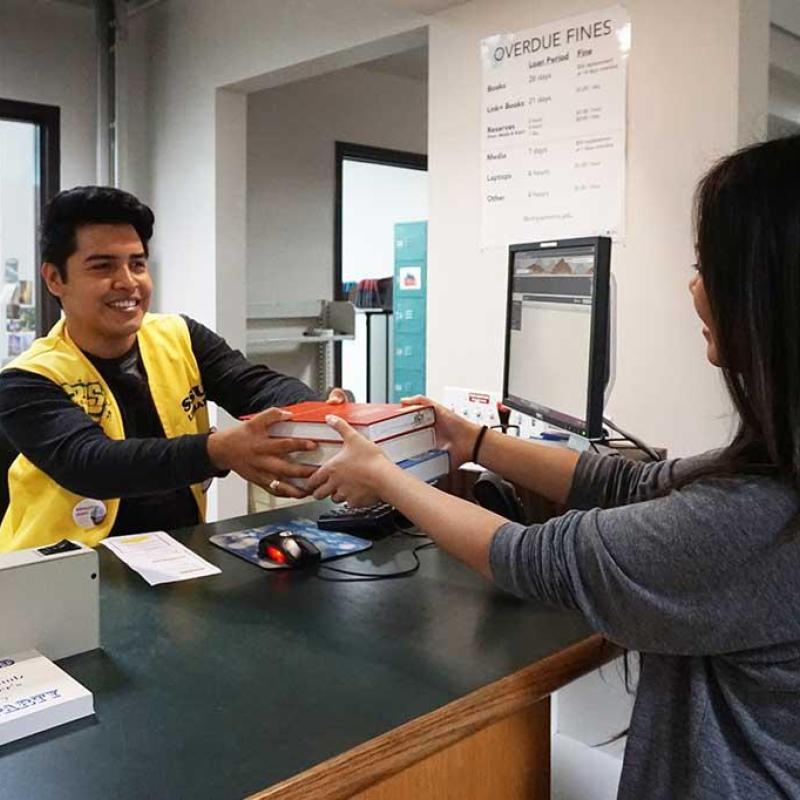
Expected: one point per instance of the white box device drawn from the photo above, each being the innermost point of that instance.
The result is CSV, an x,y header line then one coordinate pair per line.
x,y
50,600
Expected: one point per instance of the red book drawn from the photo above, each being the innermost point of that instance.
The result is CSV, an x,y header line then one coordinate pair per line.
x,y
375,421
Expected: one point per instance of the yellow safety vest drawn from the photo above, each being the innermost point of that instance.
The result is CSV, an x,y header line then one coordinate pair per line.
x,y
40,511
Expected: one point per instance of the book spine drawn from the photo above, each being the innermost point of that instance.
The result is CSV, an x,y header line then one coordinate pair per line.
x,y
397,448
421,418
428,467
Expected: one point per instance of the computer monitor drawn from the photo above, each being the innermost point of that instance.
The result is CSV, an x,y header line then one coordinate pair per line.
x,y
557,332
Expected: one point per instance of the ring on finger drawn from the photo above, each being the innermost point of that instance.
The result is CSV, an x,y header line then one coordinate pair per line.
x,y
274,484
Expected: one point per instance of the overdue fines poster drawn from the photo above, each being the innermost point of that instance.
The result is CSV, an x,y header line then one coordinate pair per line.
x,y
553,130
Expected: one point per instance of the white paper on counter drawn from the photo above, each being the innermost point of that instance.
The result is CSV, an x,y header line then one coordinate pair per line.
x,y
159,558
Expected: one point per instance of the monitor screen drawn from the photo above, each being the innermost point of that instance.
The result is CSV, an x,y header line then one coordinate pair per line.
x,y
557,332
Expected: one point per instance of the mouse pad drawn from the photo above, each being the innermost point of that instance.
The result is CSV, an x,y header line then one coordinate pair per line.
x,y
330,543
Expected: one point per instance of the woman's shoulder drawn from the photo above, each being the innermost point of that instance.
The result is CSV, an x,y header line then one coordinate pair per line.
x,y
749,500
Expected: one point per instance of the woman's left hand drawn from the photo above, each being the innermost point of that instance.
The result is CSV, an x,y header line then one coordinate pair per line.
x,y
355,473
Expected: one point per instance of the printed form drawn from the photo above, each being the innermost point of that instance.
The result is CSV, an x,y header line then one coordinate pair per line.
x,y
159,558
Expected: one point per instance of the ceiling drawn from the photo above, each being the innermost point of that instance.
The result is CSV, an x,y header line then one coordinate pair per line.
x,y
420,6
425,6
408,64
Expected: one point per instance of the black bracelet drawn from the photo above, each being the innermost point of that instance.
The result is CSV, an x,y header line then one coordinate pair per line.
x,y
477,446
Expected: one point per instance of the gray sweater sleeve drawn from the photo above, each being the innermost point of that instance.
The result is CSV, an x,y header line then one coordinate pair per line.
x,y
693,572
610,481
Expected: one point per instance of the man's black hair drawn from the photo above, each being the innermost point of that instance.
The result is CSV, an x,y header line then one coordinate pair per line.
x,y
89,205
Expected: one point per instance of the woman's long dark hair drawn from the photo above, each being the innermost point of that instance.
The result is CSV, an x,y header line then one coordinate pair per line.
x,y
747,228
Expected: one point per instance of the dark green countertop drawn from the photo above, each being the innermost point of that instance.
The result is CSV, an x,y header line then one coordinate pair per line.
x,y
221,686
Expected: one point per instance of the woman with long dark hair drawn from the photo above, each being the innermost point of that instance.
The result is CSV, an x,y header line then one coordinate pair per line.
x,y
694,562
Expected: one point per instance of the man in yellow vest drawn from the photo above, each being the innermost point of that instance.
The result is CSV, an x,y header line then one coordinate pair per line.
x,y
104,420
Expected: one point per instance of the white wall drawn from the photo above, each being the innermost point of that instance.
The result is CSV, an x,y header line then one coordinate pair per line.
x,y
197,47
683,112
48,55
291,136
201,55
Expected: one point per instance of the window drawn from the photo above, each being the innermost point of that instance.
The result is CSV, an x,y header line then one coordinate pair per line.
x,y
29,167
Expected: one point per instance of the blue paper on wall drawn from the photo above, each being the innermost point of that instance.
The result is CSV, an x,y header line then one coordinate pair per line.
x,y
330,543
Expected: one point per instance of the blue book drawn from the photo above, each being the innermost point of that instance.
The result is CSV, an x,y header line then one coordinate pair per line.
x,y
428,466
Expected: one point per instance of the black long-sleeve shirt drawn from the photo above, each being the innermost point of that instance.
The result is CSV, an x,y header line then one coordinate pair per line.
x,y
148,472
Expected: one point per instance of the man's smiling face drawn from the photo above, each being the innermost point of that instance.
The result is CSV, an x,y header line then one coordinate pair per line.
x,y
107,288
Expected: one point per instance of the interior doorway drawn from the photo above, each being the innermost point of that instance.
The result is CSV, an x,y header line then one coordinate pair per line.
x,y
298,133
377,189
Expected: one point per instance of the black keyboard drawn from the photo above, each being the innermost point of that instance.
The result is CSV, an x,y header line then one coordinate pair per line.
x,y
369,522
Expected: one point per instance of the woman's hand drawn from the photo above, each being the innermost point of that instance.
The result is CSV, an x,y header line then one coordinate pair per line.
x,y
356,473
251,452
453,433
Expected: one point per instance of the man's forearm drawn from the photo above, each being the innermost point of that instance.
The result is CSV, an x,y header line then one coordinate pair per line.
x,y
41,422
234,383
105,468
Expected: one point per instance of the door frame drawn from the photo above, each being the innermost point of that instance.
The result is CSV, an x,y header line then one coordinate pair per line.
x,y
348,151
48,121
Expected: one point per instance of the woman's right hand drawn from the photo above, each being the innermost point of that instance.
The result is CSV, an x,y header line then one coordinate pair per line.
x,y
453,433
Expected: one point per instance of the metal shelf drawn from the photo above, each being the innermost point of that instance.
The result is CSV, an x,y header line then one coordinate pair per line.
x,y
257,340
271,326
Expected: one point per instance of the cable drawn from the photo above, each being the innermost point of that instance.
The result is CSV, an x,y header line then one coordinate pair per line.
x,y
654,456
504,428
376,576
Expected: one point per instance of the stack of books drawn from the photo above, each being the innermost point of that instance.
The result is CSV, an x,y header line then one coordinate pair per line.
x,y
404,433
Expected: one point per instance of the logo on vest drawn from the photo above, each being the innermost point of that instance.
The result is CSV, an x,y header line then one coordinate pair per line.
x,y
194,401
90,397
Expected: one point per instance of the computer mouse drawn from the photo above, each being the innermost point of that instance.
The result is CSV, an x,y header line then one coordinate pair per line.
x,y
289,549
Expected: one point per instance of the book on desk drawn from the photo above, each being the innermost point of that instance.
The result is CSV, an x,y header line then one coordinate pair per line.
x,y
36,695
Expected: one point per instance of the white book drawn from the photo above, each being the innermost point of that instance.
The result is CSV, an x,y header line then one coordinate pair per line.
x,y
36,695
396,448
427,466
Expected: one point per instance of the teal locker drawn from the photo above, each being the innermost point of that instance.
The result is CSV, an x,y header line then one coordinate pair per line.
x,y
410,316
408,305
409,351
407,383
410,242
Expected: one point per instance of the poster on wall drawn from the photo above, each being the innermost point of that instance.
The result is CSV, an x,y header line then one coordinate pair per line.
x,y
553,130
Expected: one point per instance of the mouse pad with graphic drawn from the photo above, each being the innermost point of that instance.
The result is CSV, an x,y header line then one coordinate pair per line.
x,y
330,543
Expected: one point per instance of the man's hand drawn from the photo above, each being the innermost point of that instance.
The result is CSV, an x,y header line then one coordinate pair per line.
x,y
356,473
251,452
337,397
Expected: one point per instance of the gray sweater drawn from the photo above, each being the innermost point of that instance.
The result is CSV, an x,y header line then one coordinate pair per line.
x,y
705,582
